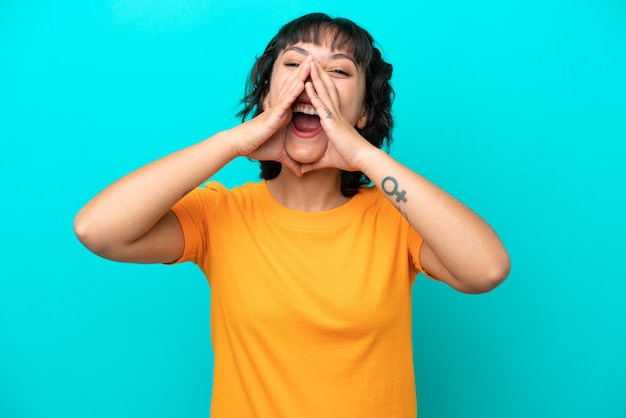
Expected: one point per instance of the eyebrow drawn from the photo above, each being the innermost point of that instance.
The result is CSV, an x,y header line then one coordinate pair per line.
x,y
337,55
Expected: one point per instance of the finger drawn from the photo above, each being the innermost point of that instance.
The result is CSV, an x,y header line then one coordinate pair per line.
x,y
294,84
295,167
324,84
306,168
292,87
321,108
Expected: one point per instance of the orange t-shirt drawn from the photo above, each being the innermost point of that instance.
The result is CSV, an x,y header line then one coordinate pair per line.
x,y
310,311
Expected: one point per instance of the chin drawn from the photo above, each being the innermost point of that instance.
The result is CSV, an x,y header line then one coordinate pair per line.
x,y
305,158
305,153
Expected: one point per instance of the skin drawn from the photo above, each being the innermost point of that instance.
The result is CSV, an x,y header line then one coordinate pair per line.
x,y
131,219
346,77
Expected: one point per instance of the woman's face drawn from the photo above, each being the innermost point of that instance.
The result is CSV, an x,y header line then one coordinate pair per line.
x,y
305,140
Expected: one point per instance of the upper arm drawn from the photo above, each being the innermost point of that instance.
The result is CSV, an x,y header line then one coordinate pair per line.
x,y
435,268
163,243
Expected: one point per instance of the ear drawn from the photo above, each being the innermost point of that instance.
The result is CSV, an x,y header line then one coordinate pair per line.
x,y
266,101
362,121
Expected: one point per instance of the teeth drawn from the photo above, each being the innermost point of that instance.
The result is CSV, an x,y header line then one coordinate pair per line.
x,y
304,108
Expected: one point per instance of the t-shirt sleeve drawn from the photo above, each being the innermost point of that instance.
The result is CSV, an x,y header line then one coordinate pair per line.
x,y
415,242
193,212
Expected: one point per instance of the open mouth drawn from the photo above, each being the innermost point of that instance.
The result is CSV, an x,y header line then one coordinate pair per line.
x,y
305,120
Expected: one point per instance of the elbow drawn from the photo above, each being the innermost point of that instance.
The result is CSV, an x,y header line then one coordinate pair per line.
x,y
80,227
497,273
82,230
489,276
86,231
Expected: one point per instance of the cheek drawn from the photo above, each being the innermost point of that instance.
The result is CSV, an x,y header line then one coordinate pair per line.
x,y
353,110
272,85
353,102
273,88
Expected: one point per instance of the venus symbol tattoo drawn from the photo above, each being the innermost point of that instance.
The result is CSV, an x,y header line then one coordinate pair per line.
x,y
393,189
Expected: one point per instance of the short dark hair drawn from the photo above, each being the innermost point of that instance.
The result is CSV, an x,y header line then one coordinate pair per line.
x,y
347,35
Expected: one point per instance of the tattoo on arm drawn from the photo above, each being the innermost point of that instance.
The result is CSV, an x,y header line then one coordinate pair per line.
x,y
406,216
390,187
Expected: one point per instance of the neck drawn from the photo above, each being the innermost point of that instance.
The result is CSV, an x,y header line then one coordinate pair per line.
x,y
316,191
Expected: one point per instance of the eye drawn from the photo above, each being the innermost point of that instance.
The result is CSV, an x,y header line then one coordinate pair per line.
x,y
339,72
292,64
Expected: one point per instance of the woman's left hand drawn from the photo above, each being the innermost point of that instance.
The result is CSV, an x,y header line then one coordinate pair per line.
x,y
346,148
459,247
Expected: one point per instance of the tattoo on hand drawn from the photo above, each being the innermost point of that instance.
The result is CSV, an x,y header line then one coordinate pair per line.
x,y
392,190
328,114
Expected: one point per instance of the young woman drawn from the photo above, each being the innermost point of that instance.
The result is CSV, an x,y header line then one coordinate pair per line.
x,y
311,269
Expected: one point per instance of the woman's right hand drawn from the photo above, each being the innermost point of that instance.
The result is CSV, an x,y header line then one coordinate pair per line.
x,y
262,138
131,221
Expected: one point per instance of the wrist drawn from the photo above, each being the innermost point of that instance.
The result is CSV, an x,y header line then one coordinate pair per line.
x,y
236,138
370,158
227,141
246,137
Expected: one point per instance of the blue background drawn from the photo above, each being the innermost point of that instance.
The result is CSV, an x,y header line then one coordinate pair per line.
x,y
518,108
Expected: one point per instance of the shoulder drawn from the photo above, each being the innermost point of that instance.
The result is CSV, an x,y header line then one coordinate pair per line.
x,y
377,206
207,198
371,196
368,194
215,191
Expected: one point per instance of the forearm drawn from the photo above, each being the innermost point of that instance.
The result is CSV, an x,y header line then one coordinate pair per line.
x,y
128,208
466,246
